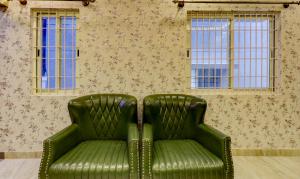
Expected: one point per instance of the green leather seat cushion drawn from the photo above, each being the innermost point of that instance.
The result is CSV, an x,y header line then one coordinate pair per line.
x,y
184,159
93,159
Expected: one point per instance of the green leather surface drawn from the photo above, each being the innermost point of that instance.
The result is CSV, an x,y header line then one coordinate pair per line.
x,y
102,141
133,150
103,116
184,159
146,152
57,145
93,159
173,116
218,143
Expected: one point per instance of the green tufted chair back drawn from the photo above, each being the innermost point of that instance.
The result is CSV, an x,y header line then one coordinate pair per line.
x,y
103,116
173,116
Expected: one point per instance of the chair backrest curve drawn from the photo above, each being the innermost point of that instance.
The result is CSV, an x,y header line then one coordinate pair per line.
x,y
103,116
173,116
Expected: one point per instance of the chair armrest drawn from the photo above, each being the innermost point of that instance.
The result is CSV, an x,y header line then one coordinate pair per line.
x,y
57,145
219,144
146,152
133,149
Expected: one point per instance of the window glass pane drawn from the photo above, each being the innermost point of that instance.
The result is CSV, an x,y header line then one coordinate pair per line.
x,y
251,52
209,53
48,52
68,52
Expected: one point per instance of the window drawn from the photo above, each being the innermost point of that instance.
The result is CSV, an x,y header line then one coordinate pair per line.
x,y
55,51
232,50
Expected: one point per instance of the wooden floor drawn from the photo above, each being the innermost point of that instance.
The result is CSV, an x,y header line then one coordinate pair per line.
x,y
244,168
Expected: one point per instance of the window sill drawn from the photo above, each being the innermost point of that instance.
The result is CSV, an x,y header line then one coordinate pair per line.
x,y
231,92
56,94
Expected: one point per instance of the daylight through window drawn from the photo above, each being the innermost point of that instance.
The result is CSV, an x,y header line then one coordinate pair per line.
x,y
232,50
55,50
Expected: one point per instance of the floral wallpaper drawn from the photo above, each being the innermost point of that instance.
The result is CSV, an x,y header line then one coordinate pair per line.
x,y
138,47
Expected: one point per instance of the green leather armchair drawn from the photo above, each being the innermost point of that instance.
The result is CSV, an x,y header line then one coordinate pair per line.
x,y
177,144
102,141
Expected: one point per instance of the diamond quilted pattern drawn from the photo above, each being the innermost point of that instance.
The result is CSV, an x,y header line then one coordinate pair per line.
x,y
173,113
103,116
173,116
105,113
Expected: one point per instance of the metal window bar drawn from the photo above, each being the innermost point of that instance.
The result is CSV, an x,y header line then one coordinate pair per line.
x,y
230,51
48,52
67,74
251,50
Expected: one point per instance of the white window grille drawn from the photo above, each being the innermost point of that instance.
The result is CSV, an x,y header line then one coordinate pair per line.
x,y
55,50
233,50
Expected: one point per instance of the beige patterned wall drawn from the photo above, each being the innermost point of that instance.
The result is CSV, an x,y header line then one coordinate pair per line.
x,y
138,47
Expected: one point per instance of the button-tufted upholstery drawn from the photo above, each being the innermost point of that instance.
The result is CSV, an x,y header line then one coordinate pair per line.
x,y
102,141
177,144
